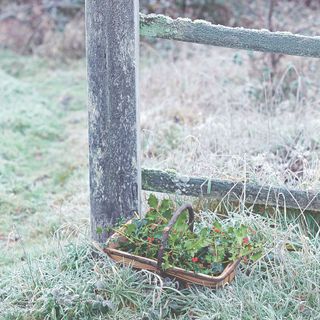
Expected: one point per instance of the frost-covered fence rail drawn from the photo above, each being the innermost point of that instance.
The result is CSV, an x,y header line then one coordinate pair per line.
x,y
171,182
203,32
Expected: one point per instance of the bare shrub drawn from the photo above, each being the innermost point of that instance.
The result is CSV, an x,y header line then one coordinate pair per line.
x,y
26,25
66,44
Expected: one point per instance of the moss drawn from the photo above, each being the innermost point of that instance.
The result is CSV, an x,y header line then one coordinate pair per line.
x,y
157,26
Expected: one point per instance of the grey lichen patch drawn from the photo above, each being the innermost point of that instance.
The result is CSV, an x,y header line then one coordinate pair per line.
x,y
157,25
171,171
182,183
184,179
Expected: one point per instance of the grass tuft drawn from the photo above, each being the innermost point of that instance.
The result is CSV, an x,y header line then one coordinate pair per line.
x,y
76,282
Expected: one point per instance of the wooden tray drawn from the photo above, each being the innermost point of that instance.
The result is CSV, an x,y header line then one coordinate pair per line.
x,y
185,276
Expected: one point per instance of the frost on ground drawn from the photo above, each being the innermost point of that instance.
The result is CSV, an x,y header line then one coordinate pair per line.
x,y
73,282
204,111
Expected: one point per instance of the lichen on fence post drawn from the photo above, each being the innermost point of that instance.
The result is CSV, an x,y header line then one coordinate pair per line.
x,y
112,68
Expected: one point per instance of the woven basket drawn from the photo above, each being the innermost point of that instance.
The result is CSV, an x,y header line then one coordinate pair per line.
x,y
188,277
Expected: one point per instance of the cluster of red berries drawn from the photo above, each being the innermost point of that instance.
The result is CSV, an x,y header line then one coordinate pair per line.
x,y
245,240
217,230
195,259
150,239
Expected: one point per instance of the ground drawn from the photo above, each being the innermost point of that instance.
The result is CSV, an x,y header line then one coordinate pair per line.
x,y
204,111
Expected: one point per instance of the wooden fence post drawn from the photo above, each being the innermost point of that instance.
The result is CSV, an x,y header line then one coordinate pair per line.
x,y
112,66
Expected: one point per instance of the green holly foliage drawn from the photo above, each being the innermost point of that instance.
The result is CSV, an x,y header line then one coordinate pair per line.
x,y
207,250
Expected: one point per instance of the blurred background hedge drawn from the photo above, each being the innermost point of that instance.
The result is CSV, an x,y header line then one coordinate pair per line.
x,y
55,28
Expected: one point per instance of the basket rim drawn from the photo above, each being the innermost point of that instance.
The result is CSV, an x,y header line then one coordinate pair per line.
x,y
225,273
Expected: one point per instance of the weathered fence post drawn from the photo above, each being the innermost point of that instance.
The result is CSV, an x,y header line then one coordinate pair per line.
x,y
112,65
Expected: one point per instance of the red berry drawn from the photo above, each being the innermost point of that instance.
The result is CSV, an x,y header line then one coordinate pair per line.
x,y
245,240
195,259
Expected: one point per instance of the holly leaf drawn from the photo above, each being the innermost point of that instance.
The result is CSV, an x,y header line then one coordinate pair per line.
x,y
141,223
158,235
204,233
181,224
242,231
230,230
152,201
167,214
191,245
218,225
131,228
166,264
99,230
204,239
165,205
152,215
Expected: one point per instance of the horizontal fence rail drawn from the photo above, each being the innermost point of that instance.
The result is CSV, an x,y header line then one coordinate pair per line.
x,y
171,182
203,32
